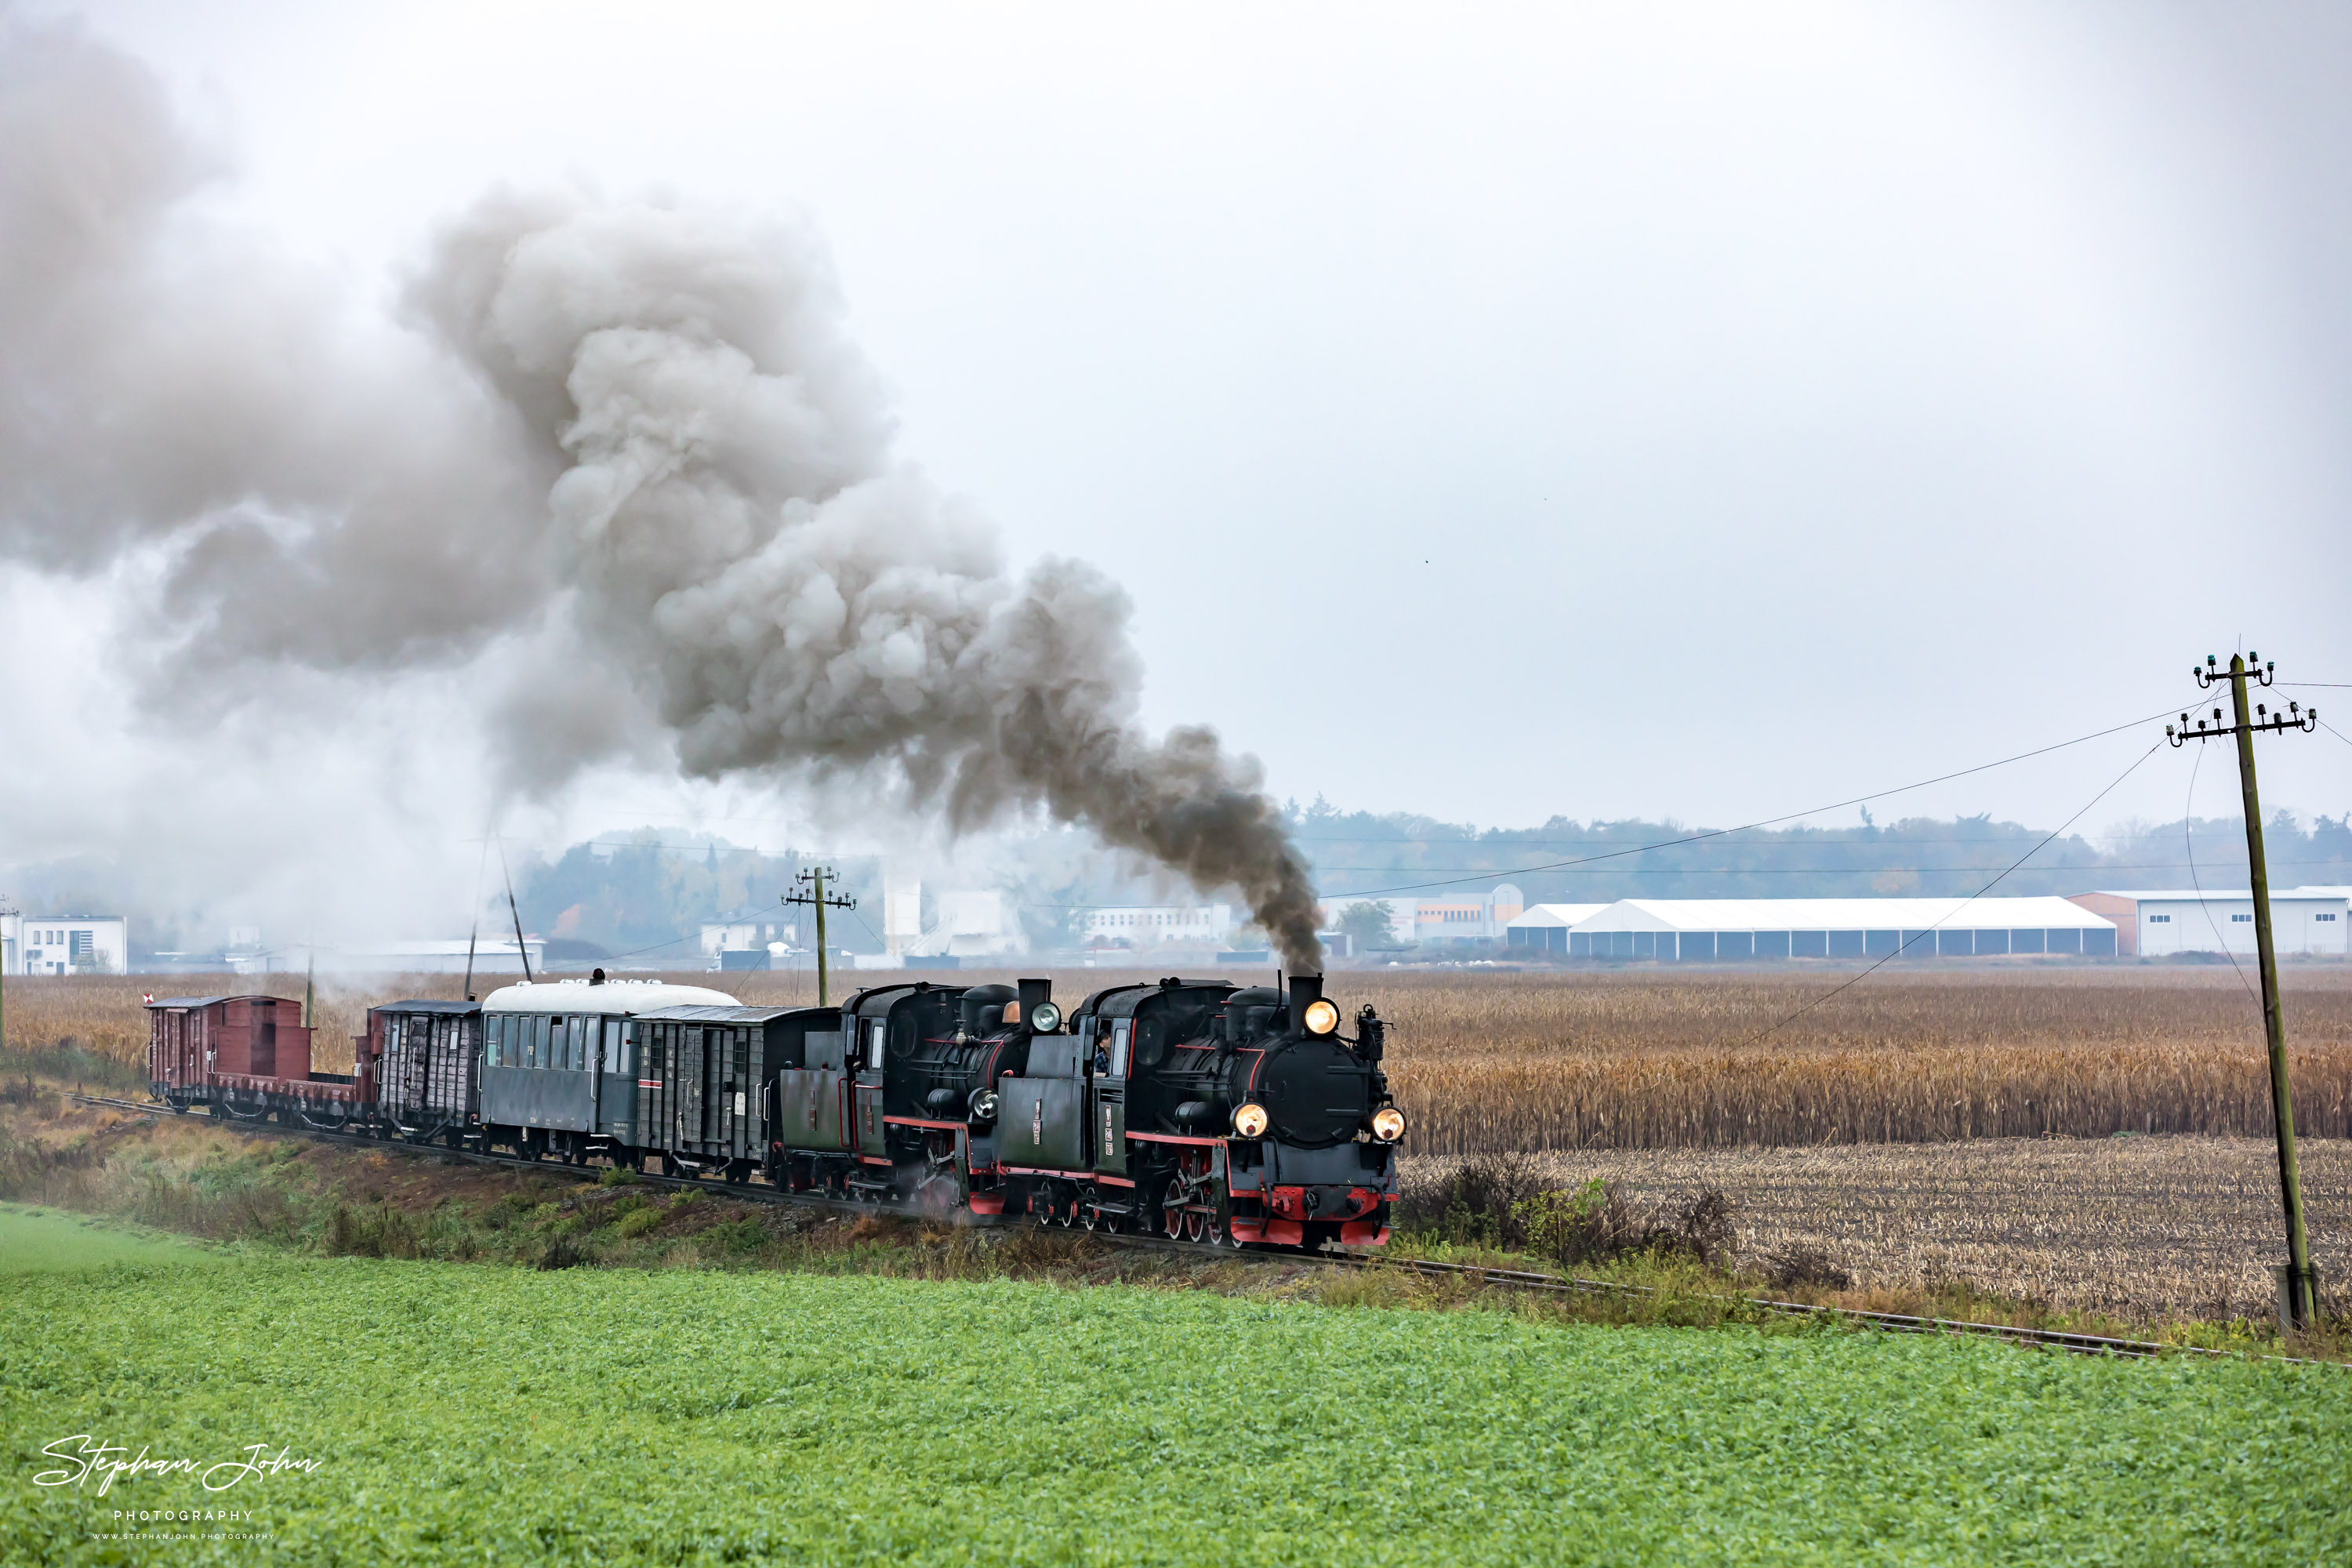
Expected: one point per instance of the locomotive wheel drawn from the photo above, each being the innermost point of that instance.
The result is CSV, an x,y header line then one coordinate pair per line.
x,y
1215,1227
1092,1219
1196,1225
1172,1210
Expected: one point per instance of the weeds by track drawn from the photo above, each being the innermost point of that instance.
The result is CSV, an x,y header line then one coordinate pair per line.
x,y
1503,1279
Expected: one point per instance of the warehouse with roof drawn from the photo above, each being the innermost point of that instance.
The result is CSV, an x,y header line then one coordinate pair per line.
x,y
2311,921
1544,927
1715,930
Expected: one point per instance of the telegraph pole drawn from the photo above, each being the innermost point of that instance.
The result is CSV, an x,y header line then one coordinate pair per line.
x,y
812,893
2298,1282
9,912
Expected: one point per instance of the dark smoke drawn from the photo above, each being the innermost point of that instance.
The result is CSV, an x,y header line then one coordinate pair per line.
x,y
629,443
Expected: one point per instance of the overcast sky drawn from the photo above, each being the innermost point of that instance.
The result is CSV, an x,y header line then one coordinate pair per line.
x,y
1492,413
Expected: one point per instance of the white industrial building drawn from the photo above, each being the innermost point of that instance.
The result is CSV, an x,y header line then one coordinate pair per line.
x,y
746,938
2156,923
1158,925
1685,929
1544,927
65,944
1461,919
971,923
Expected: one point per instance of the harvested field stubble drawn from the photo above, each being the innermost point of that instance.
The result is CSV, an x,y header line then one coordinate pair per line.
x,y
2140,1229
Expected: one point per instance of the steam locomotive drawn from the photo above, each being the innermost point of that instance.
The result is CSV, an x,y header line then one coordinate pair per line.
x,y
1195,1108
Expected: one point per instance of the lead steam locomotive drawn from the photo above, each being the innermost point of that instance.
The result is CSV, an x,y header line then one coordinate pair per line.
x,y
1193,1108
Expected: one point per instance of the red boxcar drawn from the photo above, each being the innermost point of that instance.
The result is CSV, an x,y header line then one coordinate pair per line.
x,y
246,1055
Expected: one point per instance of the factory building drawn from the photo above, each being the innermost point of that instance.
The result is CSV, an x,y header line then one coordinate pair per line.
x,y
65,944
2161,923
1544,927
1158,925
1716,929
1461,920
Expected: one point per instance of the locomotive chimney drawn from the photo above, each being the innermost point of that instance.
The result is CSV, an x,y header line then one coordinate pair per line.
x,y
1304,988
1034,994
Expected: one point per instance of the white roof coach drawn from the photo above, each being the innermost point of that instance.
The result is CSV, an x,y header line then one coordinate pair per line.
x,y
625,997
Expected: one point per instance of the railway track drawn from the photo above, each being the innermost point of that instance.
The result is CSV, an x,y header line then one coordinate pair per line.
x,y
1502,1278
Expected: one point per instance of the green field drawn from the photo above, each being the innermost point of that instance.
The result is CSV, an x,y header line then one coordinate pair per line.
x,y
499,1416
42,1241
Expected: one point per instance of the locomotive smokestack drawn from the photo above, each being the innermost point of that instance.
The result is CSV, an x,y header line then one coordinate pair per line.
x,y
1304,988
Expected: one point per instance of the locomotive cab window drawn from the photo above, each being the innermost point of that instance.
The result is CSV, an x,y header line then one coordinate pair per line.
x,y
874,1039
1118,1033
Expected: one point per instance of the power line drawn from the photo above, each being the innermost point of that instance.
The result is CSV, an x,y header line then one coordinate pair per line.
x,y
1475,874
1964,903
1792,816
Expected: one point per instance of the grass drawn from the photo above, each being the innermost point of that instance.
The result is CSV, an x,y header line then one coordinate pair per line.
x,y
43,1241
698,1418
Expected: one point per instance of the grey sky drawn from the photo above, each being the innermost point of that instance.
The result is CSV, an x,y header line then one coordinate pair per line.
x,y
1492,413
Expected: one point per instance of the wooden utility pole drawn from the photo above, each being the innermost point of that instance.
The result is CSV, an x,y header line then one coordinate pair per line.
x,y
2298,1282
812,893
8,911
522,950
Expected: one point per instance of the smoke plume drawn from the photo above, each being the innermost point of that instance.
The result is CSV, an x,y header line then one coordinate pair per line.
x,y
627,446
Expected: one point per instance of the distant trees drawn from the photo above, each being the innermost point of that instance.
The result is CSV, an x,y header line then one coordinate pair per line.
x,y
1365,924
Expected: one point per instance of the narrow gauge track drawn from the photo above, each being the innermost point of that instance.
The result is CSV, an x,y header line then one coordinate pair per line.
x,y
1507,1278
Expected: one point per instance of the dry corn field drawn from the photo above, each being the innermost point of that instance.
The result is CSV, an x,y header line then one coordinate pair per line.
x,y
1489,1063
2138,1228
1637,1061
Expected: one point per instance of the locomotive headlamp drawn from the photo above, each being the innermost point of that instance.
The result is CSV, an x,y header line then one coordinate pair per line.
x,y
983,1105
1322,1016
1046,1018
1388,1124
1251,1121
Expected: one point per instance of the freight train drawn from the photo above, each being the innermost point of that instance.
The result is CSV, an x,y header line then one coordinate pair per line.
x,y
1194,1109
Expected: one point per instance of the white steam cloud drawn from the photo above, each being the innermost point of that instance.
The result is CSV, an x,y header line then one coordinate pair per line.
x,y
636,432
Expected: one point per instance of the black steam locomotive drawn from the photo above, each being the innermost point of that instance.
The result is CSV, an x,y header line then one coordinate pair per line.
x,y
1193,1108
1189,1108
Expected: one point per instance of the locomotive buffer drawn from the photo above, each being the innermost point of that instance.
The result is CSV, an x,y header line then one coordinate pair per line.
x,y
2298,1281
